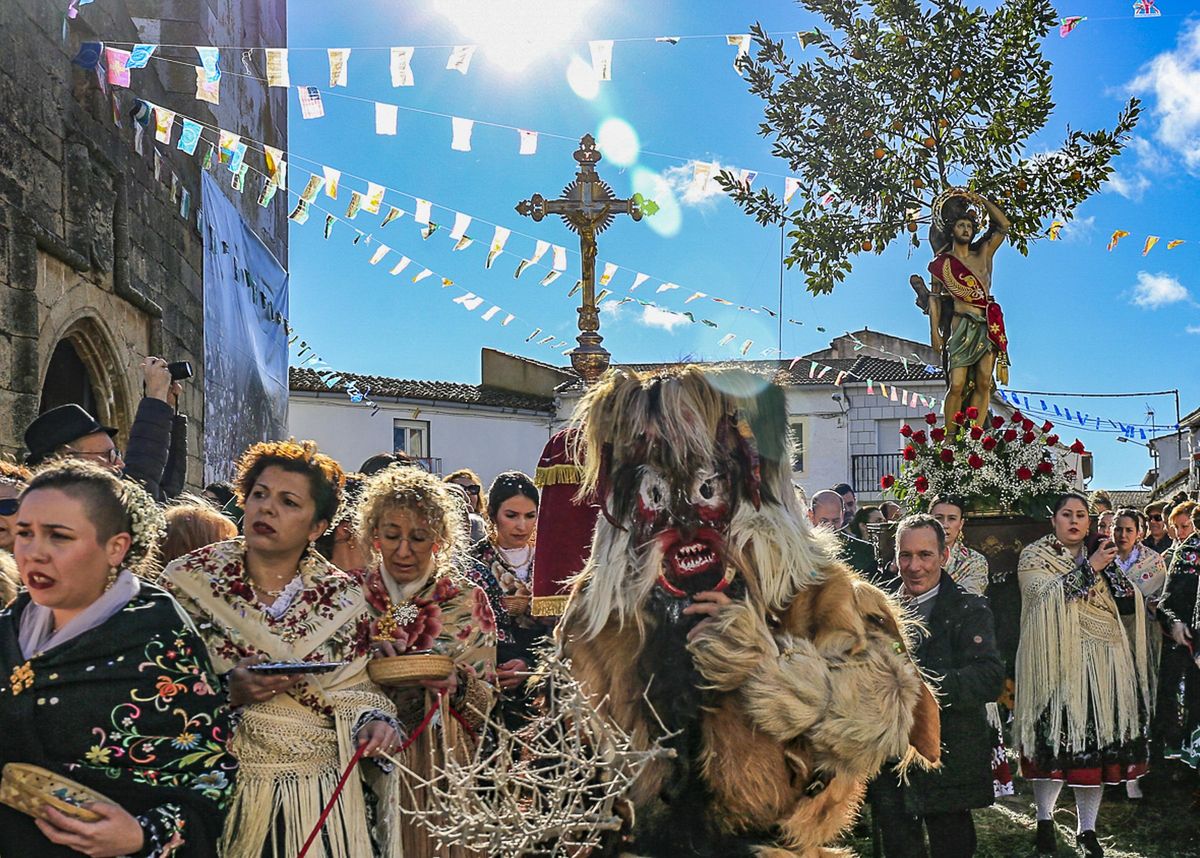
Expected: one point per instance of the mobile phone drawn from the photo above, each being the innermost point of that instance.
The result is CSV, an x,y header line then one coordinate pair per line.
x,y
286,668
180,370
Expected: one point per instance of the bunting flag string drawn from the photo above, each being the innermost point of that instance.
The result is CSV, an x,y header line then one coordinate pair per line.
x,y
1041,407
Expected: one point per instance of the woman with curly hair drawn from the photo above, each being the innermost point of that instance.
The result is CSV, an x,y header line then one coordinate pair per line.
x,y
270,597
411,525
104,680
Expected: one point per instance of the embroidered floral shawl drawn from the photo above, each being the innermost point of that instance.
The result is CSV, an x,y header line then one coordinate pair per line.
x,y
968,568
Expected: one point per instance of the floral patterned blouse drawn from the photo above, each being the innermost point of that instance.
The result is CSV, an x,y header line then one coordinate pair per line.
x,y
131,709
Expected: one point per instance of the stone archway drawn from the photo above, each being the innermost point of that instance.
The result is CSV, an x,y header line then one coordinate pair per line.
x,y
84,367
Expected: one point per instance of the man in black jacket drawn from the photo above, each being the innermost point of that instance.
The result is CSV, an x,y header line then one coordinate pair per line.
x,y
957,650
157,452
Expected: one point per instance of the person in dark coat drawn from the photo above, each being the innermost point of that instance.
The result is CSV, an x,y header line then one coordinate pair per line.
x,y
157,453
957,651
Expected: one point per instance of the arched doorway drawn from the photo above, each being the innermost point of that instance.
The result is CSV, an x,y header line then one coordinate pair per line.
x,y
67,380
84,369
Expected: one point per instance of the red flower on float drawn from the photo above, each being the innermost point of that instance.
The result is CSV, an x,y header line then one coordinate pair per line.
x,y
1027,425
910,455
959,417
1045,468
1024,473
989,443
975,461
1078,447
931,419
1051,440
976,432
921,485
1028,438
1017,417
919,437
906,430
972,413
1010,435
947,455
997,422
887,481
1047,426
938,434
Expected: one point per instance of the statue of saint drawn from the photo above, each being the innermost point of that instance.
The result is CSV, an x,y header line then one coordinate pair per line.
x,y
966,325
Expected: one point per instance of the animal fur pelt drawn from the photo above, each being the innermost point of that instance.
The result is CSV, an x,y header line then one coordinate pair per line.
x,y
796,691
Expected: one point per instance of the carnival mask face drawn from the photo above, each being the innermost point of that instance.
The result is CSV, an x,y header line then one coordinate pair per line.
x,y
688,519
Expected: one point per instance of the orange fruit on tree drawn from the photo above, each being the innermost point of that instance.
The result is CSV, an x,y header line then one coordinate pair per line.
x,y
1022,184
912,226
956,73
866,245
918,183
897,125
1076,175
942,123
879,153
929,142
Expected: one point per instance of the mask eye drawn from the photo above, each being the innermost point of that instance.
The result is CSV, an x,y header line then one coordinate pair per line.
x,y
654,490
708,489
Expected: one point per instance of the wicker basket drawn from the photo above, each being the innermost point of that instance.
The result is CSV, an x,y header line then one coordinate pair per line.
x,y
516,605
30,789
406,669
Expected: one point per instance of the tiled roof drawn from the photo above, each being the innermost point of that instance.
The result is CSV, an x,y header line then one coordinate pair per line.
x,y
1129,498
796,373
308,381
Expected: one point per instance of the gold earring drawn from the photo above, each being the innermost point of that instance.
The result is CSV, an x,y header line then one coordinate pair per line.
x,y
113,572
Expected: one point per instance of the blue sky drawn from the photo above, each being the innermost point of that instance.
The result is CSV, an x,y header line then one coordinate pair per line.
x,y
1080,318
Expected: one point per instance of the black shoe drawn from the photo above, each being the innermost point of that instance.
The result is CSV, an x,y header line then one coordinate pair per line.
x,y
1047,839
1088,845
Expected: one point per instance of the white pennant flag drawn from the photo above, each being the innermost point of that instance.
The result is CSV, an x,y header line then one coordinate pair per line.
x,y
540,249
743,46
560,258
487,317
277,67
332,177
470,300
528,142
421,275
666,287
639,280
461,141
401,265
402,67
461,222
499,238
460,59
727,339
790,186
508,318
385,118
339,66
702,173
380,252
602,58
424,210
695,296
374,198
164,121
610,268
276,165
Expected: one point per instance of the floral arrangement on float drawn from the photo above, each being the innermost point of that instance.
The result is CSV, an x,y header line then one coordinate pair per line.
x,y
1004,465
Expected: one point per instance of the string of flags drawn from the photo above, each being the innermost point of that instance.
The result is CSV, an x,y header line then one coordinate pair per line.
x,y
1148,245
1084,420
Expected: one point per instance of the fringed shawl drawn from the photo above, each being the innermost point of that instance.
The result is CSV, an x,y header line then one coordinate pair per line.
x,y
1075,663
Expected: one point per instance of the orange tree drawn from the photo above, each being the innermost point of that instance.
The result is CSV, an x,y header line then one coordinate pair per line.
x,y
897,100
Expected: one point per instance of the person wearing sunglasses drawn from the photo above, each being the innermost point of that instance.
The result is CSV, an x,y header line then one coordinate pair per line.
x,y
157,452
1157,538
469,482
13,479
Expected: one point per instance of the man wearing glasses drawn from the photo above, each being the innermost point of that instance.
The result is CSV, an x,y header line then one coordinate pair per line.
x,y
1157,539
157,454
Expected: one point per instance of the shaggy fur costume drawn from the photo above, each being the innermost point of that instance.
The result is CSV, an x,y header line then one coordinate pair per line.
x,y
785,703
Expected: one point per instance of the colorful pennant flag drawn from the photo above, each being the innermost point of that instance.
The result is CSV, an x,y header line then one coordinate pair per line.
x,y
310,102
268,194
610,268
209,58
1069,24
790,186
461,140
276,165
1151,240
164,121
277,67
402,67
117,66
355,204
392,214
1116,237
140,56
300,212
460,59
207,90
1171,245
189,136
1054,230
312,188
339,66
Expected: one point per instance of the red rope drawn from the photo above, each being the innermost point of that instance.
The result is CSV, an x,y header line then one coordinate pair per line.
x,y
354,762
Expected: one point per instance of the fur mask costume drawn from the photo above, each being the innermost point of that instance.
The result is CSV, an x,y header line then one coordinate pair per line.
x,y
782,705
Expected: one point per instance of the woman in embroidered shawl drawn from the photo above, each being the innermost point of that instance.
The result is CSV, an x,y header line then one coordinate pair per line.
x,y
1083,687
413,527
104,680
271,597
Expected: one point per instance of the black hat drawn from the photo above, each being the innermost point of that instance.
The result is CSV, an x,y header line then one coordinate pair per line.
x,y
57,427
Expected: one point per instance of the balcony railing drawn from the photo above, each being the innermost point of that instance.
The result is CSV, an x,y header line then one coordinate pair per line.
x,y
433,464
866,470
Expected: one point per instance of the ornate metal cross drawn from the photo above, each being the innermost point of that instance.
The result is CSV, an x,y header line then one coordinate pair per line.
x,y
588,206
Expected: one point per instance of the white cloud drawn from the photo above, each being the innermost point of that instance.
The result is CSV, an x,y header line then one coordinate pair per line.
x,y
655,317
1158,290
682,180
1131,187
1173,79
1079,230
1193,329
611,309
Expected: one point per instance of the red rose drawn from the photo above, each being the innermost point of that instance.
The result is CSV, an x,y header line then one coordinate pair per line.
x,y
959,417
887,481
906,430
997,422
1010,435
1017,417
1027,424
919,437
1047,426
1045,468
989,443
1078,447
921,485
947,455
1051,440
1027,438
975,461
976,432
1024,474
938,434
972,413
931,419
910,454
